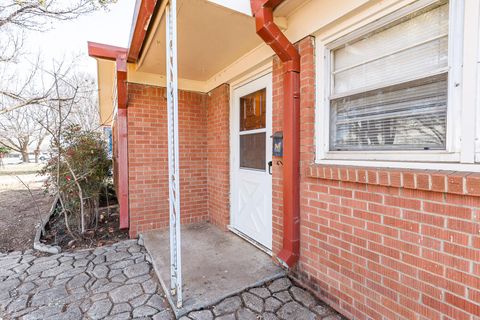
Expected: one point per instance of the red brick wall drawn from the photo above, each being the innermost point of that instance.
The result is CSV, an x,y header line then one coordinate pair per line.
x,y
204,157
382,244
218,135
277,171
148,170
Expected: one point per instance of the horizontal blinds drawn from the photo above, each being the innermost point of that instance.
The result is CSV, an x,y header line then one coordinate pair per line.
x,y
416,45
389,87
408,116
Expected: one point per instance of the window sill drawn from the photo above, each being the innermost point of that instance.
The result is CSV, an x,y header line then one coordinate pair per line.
x,y
456,182
399,163
411,156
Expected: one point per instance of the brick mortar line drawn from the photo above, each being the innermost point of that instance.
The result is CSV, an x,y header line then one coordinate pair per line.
x,y
406,230
402,209
400,250
328,172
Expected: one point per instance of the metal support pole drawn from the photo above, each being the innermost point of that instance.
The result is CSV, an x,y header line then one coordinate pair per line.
x,y
173,153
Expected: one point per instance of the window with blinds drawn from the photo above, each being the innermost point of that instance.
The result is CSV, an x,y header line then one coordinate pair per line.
x,y
389,88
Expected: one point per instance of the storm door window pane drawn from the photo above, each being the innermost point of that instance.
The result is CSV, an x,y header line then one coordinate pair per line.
x,y
252,151
253,110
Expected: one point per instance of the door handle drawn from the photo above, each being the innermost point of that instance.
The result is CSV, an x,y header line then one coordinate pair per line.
x,y
270,163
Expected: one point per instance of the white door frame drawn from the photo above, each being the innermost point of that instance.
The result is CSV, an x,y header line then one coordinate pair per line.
x,y
260,80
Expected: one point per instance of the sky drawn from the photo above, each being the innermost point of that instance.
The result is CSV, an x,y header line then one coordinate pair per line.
x,y
69,38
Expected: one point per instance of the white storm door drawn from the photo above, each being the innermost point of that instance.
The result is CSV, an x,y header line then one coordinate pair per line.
x,y
251,153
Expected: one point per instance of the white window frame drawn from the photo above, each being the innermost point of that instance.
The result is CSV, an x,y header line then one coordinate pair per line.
x,y
458,151
472,59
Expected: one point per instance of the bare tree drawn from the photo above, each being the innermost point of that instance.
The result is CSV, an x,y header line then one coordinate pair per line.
x,y
43,119
86,112
17,18
36,14
20,130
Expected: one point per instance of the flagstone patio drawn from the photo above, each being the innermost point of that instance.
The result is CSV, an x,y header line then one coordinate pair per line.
x,y
114,282
276,300
118,282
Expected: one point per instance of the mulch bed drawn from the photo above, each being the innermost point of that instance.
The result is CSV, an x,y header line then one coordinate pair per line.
x,y
107,232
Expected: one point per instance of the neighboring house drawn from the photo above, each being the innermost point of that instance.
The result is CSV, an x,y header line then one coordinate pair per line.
x,y
375,202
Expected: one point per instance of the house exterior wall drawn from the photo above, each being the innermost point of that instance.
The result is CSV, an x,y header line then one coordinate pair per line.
x,y
147,157
277,170
379,243
375,243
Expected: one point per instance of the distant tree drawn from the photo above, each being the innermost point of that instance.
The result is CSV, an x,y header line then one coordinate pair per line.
x,y
20,129
16,131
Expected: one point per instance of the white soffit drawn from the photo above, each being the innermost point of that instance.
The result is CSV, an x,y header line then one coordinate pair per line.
x,y
242,6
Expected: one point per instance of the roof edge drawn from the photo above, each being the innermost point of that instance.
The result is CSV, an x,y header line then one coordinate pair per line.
x,y
144,10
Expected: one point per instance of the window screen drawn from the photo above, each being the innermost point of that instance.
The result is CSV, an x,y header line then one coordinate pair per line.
x,y
252,151
389,88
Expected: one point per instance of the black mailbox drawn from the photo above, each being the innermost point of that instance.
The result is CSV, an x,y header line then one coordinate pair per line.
x,y
277,145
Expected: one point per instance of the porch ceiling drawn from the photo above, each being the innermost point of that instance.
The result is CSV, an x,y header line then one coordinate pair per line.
x,y
210,38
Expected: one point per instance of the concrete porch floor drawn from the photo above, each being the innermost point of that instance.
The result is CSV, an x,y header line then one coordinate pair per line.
x,y
215,265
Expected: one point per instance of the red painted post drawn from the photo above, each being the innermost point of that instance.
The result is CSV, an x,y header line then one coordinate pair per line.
x,y
122,142
122,147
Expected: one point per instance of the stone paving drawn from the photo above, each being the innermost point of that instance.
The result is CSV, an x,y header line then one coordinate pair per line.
x,y
115,282
118,282
279,299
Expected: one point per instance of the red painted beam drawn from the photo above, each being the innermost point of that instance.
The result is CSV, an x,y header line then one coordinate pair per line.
x,y
122,81
144,10
273,36
105,51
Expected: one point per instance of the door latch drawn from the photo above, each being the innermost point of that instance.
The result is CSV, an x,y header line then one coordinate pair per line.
x,y
270,163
